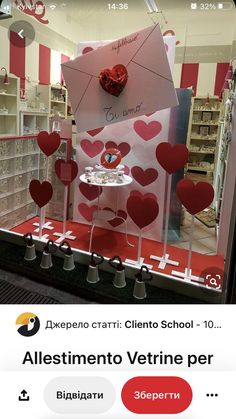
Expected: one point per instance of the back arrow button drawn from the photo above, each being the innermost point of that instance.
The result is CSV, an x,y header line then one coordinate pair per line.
x,y
20,33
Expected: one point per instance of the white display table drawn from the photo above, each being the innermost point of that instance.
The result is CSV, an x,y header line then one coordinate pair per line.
x,y
107,215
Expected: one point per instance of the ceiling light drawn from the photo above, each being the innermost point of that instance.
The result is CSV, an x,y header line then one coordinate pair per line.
x,y
151,5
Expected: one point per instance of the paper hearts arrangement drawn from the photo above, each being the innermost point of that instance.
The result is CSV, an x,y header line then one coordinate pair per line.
x,y
41,193
195,198
142,209
113,80
172,157
48,143
66,170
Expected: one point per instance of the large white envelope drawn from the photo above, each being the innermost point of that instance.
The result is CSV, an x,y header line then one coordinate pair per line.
x,y
149,87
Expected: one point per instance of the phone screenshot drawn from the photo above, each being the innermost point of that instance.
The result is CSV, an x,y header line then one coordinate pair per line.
x,y
117,209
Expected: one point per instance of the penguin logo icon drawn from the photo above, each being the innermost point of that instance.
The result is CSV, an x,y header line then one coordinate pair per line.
x,y
28,324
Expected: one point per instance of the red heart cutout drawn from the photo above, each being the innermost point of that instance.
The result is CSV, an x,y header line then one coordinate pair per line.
x,y
113,80
172,157
41,192
117,220
86,50
124,148
195,198
86,211
48,143
90,148
95,131
90,192
66,170
147,131
144,177
142,210
146,195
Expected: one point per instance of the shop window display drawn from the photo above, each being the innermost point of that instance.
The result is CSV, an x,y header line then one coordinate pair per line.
x,y
102,191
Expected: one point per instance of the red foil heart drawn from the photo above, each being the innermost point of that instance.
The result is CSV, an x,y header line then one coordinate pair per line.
x,y
48,143
66,170
113,81
41,192
172,158
195,198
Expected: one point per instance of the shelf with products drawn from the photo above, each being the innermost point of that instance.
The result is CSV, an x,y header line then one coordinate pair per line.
x,y
58,101
9,106
203,133
19,164
33,122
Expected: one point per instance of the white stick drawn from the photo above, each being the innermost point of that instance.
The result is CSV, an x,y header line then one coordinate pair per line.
x,y
47,172
167,214
65,209
190,246
40,222
139,246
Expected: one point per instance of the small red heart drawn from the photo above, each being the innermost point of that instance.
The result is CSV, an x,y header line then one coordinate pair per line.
x,y
92,149
120,219
124,148
48,143
41,192
195,198
113,80
142,210
94,132
144,177
172,157
90,192
66,170
147,131
86,211
86,50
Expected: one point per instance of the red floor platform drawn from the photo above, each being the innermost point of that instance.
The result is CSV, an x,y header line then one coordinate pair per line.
x,y
110,243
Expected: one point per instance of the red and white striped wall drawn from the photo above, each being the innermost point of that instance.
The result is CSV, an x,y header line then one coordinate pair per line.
x,y
43,64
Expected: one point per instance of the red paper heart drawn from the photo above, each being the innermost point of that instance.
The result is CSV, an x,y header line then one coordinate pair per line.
x,y
48,143
124,148
147,131
86,50
113,80
195,198
116,221
41,192
172,157
94,132
66,170
144,177
142,210
90,192
146,195
86,211
90,148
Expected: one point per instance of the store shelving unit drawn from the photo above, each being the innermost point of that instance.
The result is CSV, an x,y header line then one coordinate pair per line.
x,y
19,164
9,107
32,122
58,101
203,133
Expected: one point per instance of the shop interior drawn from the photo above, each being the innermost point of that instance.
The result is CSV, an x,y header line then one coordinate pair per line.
x,y
117,191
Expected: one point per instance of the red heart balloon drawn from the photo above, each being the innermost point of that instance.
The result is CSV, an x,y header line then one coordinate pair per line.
x,y
48,143
124,148
172,157
142,210
66,170
90,192
113,80
41,192
195,198
144,177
